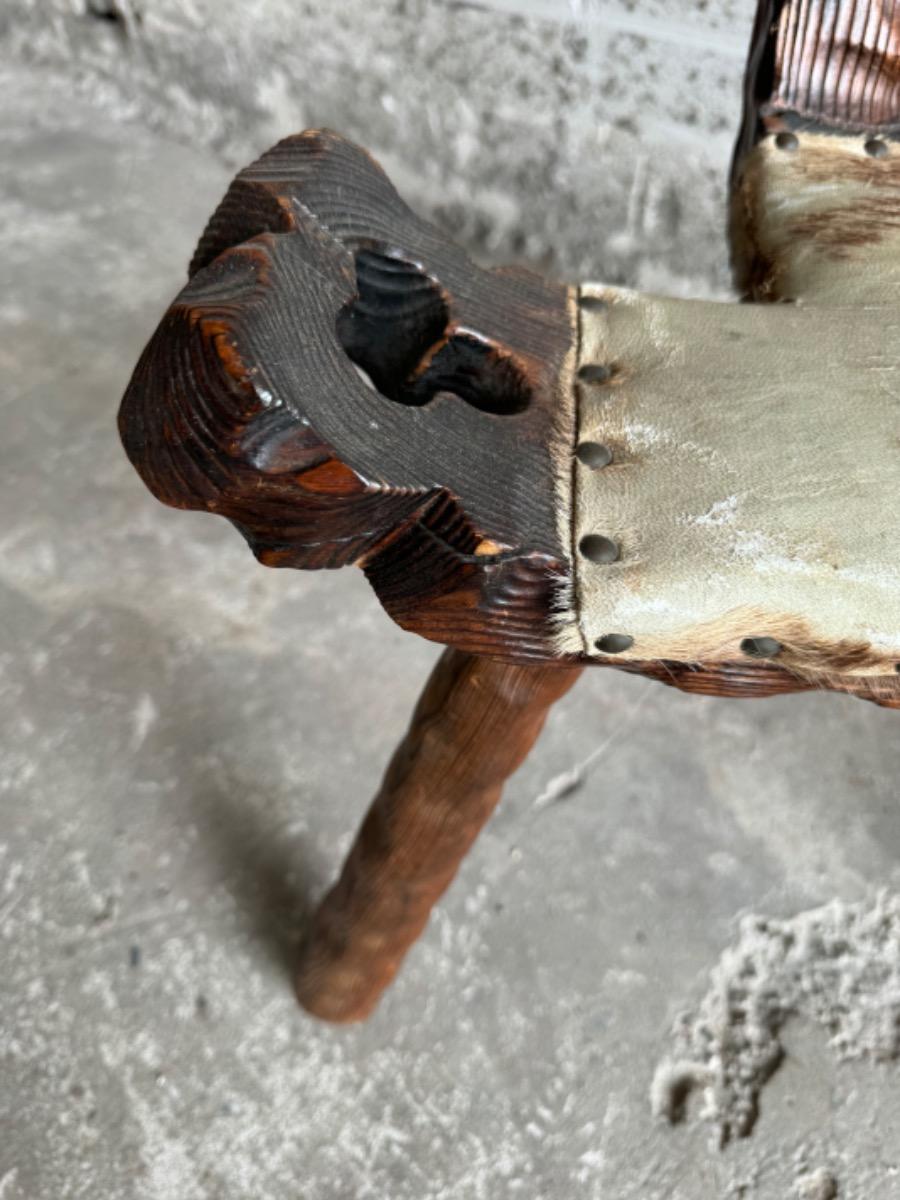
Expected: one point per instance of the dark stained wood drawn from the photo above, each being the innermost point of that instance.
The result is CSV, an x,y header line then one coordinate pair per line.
x,y
823,65
758,680
437,472
473,726
839,63
345,386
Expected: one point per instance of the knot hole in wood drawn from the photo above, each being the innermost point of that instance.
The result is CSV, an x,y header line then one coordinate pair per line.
x,y
399,332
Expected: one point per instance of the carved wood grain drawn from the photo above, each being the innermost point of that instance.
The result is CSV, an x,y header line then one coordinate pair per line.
x,y
839,63
822,64
442,484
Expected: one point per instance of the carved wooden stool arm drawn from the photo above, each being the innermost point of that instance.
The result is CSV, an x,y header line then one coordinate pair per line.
x,y
250,401
554,476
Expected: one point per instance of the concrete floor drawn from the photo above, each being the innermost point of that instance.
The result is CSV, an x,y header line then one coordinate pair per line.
x,y
191,739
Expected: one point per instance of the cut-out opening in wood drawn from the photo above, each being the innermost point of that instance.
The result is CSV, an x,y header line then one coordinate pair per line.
x,y
398,331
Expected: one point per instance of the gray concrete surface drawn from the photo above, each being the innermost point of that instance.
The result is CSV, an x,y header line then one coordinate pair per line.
x,y
190,739
588,145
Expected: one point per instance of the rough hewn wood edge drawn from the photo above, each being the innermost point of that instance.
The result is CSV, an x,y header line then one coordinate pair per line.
x,y
837,63
829,68
821,65
244,404
748,680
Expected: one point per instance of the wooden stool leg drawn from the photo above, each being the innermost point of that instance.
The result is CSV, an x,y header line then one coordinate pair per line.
x,y
474,724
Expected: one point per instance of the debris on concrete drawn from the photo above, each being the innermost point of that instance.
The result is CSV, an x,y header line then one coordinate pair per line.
x,y
817,1185
838,965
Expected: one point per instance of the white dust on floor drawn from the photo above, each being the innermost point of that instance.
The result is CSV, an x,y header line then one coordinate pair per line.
x,y
838,966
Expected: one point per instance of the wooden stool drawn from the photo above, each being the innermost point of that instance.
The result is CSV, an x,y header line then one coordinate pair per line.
x,y
545,477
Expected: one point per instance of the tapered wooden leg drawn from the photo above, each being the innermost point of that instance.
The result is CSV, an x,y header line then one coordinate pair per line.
x,y
474,724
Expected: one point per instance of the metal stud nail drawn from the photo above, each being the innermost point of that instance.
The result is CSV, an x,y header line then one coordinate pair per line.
x,y
599,549
592,303
876,148
614,643
760,647
787,141
594,373
594,455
